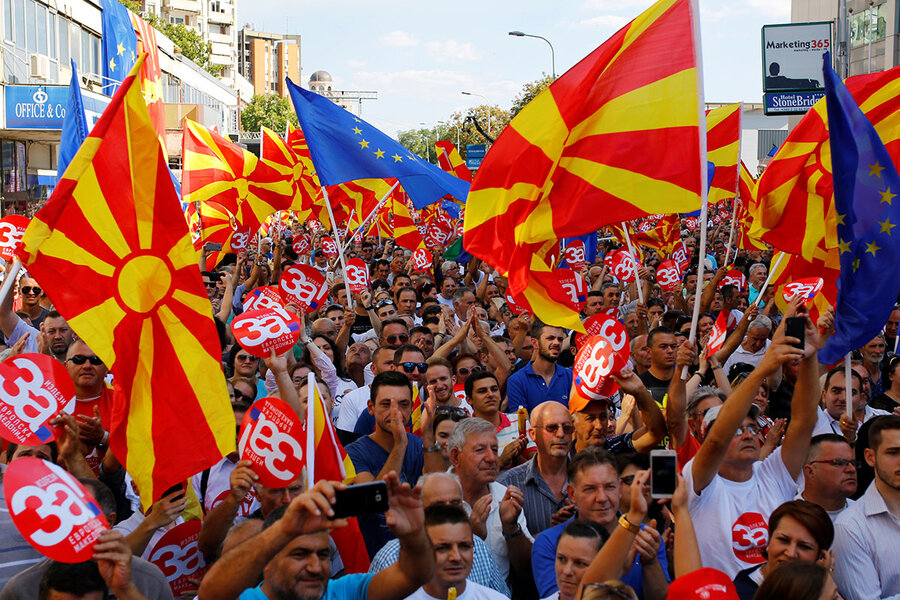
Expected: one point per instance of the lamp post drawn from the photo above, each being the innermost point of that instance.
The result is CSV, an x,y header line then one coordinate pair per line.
x,y
487,106
457,130
552,53
427,142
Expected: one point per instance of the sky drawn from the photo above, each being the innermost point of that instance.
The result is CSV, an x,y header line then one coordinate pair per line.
x,y
419,55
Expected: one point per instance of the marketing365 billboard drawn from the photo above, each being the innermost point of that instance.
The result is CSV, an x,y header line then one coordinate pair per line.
x,y
792,62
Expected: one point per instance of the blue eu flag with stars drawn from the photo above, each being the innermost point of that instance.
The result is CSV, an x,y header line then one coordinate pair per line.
x,y
74,128
343,148
119,44
866,185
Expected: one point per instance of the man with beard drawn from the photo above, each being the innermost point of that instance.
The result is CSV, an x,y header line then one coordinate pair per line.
x,y
57,334
867,534
541,379
872,357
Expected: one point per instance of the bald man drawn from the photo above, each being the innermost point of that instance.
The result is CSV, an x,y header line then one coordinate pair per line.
x,y
444,488
543,478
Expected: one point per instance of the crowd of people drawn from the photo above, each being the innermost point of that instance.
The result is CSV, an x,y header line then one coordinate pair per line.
x,y
512,484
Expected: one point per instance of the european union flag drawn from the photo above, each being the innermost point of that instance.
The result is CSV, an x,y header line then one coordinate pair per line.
x,y
866,185
119,44
74,128
343,147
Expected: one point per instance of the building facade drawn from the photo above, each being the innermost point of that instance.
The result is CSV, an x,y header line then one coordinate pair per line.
x,y
37,41
266,59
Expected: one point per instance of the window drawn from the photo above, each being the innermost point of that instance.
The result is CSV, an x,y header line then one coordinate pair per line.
x,y
51,23
64,52
96,54
8,19
75,45
85,64
19,18
868,25
214,6
30,29
40,24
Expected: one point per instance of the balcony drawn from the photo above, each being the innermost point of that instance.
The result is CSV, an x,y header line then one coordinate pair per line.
x,y
221,38
190,6
223,18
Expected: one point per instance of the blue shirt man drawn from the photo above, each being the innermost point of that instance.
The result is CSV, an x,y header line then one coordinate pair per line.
x,y
542,379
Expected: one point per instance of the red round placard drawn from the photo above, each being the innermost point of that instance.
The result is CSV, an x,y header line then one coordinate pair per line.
x,y
12,228
179,558
357,275
34,388
272,439
261,331
304,286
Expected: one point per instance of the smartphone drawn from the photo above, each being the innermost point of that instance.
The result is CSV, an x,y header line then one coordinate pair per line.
x,y
179,487
212,246
796,327
663,473
361,499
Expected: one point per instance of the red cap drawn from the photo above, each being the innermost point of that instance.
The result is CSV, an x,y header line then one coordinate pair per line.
x,y
703,584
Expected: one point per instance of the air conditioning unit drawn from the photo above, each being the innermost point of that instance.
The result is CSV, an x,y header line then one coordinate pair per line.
x,y
40,67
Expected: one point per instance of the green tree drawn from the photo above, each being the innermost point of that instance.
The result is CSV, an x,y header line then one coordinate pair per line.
x,y
272,110
421,140
529,91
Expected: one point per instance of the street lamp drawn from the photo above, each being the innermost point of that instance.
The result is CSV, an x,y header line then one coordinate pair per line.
x,y
457,130
552,53
487,106
427,142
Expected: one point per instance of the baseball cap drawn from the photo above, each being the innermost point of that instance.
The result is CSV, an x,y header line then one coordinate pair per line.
x,y
703,584
578,401
712,414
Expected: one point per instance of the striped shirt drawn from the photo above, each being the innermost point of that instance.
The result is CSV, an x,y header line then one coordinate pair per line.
x,y
866,539
540,501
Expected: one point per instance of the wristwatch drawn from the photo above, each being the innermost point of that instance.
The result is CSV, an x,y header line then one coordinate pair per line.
x,y
518,531
631,527
433,448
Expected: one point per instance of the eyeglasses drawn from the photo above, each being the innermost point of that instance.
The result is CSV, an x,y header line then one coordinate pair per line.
x,y
753,429
567,428
840,463
409,367
29,289
464,371
627,480
246,358
453,411
393,340
80,359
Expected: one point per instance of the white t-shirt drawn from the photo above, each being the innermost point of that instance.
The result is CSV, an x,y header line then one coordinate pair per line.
x,y
473,591
731,516
353,404
495,540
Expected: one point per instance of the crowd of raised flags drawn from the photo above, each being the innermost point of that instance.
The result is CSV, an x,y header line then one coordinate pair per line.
x,y
613,271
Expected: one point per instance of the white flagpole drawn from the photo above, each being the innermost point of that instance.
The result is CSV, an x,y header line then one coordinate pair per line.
x,y
637,277
339,245
737,185
10,280
731,231
704,184
848,385
310,431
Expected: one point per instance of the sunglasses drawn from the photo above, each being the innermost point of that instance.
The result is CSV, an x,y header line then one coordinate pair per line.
x,y
840,463
209,284
627,480
754,429
567,428
246,358
393,340
464,371
80,359
28,289
409,367
453,411
384,303
241,396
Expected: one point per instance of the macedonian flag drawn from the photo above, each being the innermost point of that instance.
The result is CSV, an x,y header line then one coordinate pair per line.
x,y
615,138
723,148
113,252
450,161
795,193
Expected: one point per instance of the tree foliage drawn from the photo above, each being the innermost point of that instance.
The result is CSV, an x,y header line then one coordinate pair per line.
x,y
272,110
457,129
188,40
529,91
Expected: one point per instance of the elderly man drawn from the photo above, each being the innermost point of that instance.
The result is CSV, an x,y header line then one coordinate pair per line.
x,y
495,509
754,346
640,354
543,478
872,359
443,489
463,300
756,278
829,474
594,487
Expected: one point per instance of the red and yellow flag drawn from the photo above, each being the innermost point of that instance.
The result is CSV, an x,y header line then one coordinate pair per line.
x,y
450,161
615,138
357,198
278,154
747,210
796,211
151,76
662,237
723,148
215,169
115,226
313,199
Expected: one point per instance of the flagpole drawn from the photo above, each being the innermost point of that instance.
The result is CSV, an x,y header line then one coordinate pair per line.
x,y
10,279
737,184
848,385
768,279
339,245
374,210
731,231
310,431
637,277
704,183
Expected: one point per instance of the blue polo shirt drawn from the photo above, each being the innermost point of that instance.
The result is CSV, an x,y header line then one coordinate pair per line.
x,y
348,587
527,388
543,563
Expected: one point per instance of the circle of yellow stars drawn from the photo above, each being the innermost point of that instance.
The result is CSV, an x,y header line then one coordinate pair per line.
x,y
364,144
886,226
120,51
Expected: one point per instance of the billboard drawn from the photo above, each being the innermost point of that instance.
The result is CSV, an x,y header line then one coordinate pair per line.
x,y
474,155
792,65
44,106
